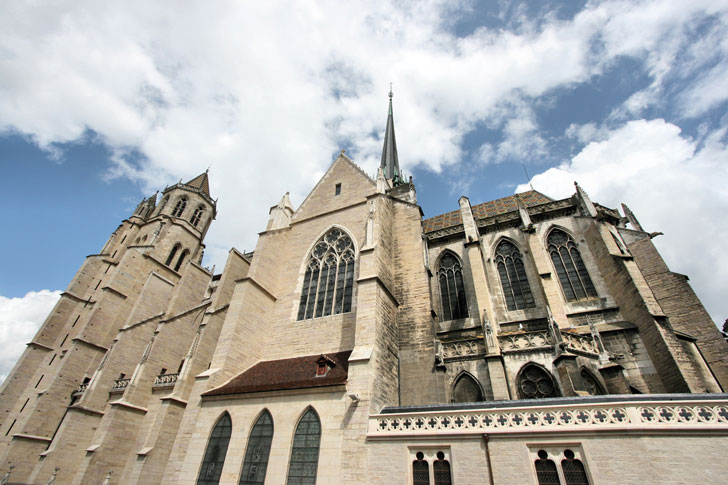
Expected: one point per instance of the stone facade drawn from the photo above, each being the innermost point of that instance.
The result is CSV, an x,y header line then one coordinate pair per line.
x,y
478,340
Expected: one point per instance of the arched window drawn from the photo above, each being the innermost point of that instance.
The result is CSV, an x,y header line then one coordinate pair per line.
x,y
304,455
441,470
569,267
535,382
171,254
257,451
513,277
197,216
574,472
215,453
466,389
546,470
180,207
452,291
329,279
591,383
181,259
420,470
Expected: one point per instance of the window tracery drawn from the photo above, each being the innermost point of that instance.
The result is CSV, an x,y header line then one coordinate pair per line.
x,y
535,382
180,207
329,279
197,215
514,281
452,290
569,266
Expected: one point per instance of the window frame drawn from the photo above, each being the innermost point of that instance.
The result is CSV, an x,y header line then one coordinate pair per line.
x,y
520,375
523,281
261,415
590,290
555,453
222,416
302,416
429,456
458,304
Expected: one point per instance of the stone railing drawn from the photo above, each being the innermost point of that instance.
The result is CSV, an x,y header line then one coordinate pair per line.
x,y
525,340
81,389
119,385
580,343
463,349
165,380
556,415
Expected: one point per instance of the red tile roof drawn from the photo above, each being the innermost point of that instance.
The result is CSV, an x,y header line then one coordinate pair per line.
x,y
486,209
284,374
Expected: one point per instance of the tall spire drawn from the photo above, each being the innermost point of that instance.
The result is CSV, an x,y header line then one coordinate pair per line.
x,y
390,161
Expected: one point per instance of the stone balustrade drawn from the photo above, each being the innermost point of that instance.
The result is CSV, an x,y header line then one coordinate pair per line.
x,y
597,413
81,389
165,380
119,385
543,339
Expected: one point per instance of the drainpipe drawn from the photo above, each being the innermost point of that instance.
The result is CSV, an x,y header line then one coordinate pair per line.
x,y
487,456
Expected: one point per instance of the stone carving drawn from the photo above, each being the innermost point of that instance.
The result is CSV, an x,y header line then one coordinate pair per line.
x,y
526,340
165,380
463,349
120,384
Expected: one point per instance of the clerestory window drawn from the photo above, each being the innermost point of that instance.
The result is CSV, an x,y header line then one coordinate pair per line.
x,y
329,279
452,290
569,267
514,281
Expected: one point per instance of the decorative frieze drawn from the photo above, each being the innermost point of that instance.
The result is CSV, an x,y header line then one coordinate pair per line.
x,y
526,341
463,349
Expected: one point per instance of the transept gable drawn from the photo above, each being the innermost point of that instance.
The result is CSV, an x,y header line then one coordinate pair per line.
x,y
344,184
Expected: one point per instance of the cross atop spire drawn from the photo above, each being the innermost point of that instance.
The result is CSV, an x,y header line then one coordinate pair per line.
x,y
390,160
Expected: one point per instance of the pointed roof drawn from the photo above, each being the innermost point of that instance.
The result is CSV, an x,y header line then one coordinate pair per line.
x,y
201,182
390,161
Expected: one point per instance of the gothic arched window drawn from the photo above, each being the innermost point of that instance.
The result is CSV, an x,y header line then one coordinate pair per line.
x,y
329,279
180,207
304,455
215,453
513,277
181,259
535,382
256,454
591,383
420,470
174,250
569,266
197,215
546,470
452,291
466,389
573,468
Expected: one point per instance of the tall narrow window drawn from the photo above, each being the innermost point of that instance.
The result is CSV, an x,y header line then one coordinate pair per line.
x,y
466,390
197,216
420,470
570,267
452,290
535,382
513,277
329,279
215,452
574,472
170,258
180,207
256,454
181,259
441,469
546,470
304,455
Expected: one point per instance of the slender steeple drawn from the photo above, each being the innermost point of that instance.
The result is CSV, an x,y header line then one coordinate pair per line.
x,y
390,161
201,182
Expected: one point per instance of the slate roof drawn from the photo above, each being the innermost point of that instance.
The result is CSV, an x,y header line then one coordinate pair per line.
x,y
285,374
486,209
201,182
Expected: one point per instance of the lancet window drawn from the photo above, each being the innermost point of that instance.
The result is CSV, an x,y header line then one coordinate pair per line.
x,y
572,471
329,279
535,382
197,215
514,281
304,455
180,207
181,259
452,290
215,453
172,253
466,390
257,452
569,267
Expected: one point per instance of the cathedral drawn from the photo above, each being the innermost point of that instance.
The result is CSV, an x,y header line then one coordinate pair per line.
x,y
525,340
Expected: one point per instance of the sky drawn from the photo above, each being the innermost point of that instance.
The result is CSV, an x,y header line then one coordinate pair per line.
x,y
103,103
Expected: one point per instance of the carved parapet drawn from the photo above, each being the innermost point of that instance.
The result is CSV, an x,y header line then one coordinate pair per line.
x,y
165,380
580,343
525,341
119,385
463,350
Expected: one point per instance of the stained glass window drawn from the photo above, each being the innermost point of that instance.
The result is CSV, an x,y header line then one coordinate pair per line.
x,y
304,455
534,382
180,207
569,266
215,453
441,470
256,454
420,470
574,472
546,470
329,279
513,277
452,290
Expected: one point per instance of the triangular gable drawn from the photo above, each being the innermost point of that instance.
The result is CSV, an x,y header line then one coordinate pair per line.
x,y
356,186
200,182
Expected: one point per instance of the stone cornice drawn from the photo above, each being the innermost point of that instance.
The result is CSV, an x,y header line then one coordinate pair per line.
x,y
89,344
257,285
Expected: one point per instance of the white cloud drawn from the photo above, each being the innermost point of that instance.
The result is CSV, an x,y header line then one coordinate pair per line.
x,y
673,184
20,318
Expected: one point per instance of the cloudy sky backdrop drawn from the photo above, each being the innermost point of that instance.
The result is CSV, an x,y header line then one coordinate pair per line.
x,y
103,103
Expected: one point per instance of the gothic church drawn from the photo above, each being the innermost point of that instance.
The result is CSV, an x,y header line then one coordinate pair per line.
x,y
524,340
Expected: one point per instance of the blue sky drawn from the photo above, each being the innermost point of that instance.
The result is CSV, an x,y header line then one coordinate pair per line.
x,y
101,105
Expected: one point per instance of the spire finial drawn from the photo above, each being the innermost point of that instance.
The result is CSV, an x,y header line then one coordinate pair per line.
x,y
391,94
390,161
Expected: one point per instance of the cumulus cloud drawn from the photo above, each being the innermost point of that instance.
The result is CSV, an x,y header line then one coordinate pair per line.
x,y
672,183
20,318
